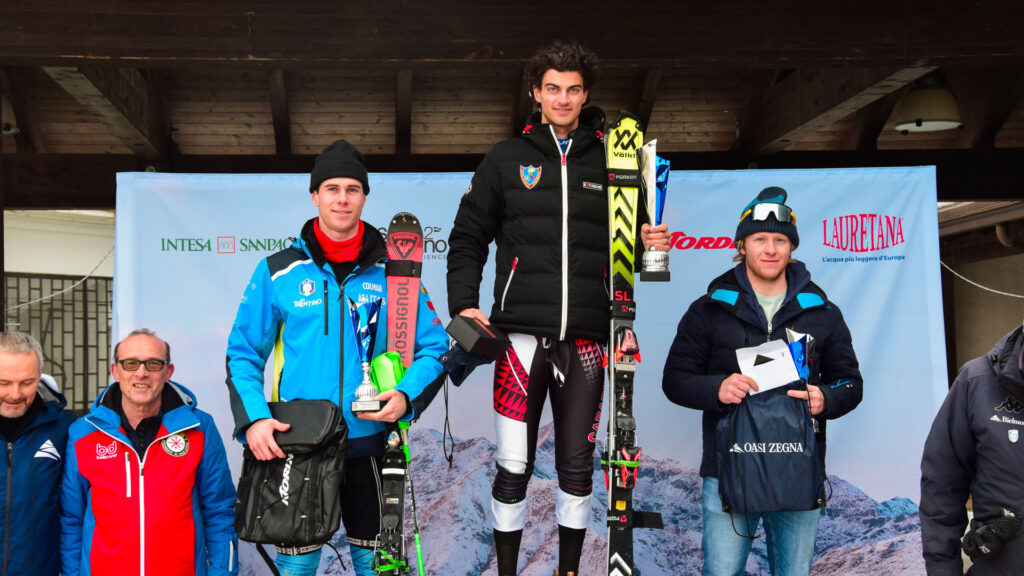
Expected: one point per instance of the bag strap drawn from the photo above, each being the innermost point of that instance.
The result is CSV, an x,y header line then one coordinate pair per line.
x,y
266,558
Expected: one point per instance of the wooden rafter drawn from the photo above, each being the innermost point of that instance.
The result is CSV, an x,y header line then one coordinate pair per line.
x,y
403,111
278,89
29,139
809,100
1006,90
870,120
125,100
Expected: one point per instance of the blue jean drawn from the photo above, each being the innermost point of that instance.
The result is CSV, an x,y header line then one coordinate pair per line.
x,y
789,537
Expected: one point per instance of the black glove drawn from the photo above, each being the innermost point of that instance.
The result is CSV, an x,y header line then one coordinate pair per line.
x,y
989,533
459,363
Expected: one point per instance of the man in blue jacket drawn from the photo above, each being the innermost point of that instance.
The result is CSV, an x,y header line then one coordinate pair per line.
x,y
34,428
756,301
975,449
297,307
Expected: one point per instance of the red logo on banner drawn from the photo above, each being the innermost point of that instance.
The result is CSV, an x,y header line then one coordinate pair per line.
x,y
681,241
862,232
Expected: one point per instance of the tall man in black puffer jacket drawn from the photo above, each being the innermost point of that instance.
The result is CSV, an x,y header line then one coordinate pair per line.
x,y
541,198
975,449
754,302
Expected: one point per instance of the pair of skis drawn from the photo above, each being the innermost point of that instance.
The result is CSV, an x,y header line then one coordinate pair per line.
x,y
405,260
621,459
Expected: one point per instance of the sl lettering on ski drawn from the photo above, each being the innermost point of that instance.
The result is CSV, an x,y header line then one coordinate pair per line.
x,y
405,243
1010,405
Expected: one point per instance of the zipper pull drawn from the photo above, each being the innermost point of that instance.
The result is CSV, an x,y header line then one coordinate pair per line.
x,y
10,451
563,159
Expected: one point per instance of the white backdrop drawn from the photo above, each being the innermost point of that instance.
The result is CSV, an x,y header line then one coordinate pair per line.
x,y
186,244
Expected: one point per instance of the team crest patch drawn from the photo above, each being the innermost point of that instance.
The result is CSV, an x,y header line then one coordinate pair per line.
x,y
530,175
307,287
175,444
1014,435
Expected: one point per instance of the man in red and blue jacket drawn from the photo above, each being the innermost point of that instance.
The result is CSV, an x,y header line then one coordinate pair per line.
x,y
147,490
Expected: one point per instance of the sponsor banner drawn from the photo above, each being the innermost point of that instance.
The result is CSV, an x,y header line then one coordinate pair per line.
x,y
187,244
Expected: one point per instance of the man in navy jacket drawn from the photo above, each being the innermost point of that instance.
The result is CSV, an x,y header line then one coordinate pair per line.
x,y
756,301
975,449
34,429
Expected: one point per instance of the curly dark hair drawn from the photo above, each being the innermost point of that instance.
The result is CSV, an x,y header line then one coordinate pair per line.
x,y
563,57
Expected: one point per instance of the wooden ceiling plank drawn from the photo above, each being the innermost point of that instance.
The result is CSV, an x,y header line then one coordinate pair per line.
x,y
809,100
125,100
1005,90
279,111
12,84
403,111
646,95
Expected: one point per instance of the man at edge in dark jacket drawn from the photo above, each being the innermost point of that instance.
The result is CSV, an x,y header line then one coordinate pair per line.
x,y
541,198
974,449
756,301
34,426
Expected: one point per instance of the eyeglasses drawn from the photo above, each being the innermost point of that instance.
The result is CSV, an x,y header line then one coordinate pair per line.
x,y
760,212
152,365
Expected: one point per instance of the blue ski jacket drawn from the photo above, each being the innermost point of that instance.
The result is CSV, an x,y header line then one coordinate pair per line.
x,y
295,309
31,488
169,511
975,449
728,318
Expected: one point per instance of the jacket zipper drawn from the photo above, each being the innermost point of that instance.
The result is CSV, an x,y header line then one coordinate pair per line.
x,y
326,316
509,282
565,234
128,475
341,348
7,505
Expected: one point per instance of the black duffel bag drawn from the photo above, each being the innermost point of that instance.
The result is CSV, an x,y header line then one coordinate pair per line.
x,y
295,501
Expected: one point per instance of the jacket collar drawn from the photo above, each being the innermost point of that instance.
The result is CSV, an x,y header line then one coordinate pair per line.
x,y
590,130
1005,359
374,248
108,419
733,291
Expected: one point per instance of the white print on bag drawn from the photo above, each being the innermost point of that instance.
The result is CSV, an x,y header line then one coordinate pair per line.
x,y
284,489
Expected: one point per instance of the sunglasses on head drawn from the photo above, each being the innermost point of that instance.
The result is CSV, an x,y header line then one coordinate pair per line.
x,y
760,212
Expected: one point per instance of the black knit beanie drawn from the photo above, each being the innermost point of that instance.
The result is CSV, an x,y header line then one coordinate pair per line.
x,y
748,226
339,160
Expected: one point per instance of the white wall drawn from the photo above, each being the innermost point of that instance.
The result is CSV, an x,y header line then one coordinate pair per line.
x,y
981,316
69,243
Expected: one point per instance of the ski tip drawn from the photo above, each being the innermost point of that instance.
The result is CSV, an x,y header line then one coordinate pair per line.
x,y
404,218
624,115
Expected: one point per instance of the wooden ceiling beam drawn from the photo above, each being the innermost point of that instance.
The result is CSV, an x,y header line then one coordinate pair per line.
x,y
1005,90
50,181
12,84
646,94
279,111
809,100
870,120
403,111
127,102
729,33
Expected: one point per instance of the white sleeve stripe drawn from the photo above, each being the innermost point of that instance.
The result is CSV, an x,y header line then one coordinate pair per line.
x,y
290,266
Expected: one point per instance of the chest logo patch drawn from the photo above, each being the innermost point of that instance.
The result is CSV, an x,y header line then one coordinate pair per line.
x,y
175,445
1013,434
306,287
103,452
530,175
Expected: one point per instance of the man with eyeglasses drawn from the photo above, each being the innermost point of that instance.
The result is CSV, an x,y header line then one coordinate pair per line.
x,y
34,430
147,489
766,293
